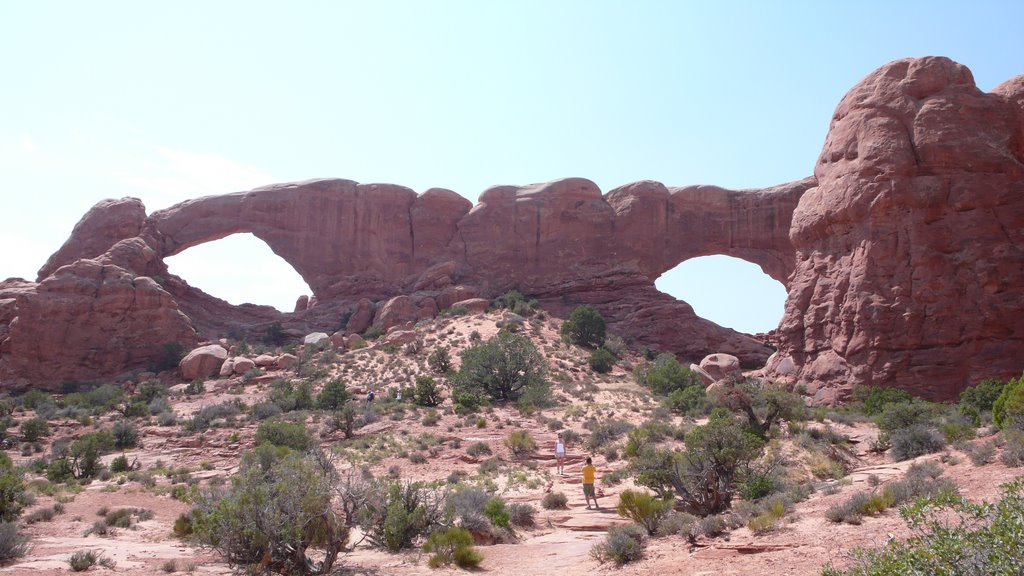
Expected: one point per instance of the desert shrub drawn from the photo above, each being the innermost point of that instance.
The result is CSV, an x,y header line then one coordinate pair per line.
x,y
275,334
522,514
665,375
151,390
399,513
333,396
440,361
756,486
344,420
981,453
35,398
290,397
126,517
373,332
33,429
554,501
1008,408
119,464
82,560
951,536
914,441
426,392
491,465
12,543
894,417
505,368
601,361
99,399
431,418
478,449
584,327
497,512
265,410
768,518
271,518
292,435
763,404
644,509
691,401
604,433
86,451
171,354
703,477
521,442
125,435
158,405
452,546
622,545
876,398
467,505
207,415
183,525
1013,449
677,524
956,432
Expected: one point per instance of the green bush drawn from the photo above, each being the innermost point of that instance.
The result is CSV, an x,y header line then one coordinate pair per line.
x,y
33,429
1008,409
622,545
271,517
171,354
522,514
293,435
876,398
951,536
399,513
584,327
521,442
665,375
86,451
440,361
452,546
505,368
983,396
691,401
125,435
13,494
333,396
82,560
896,416
644,509
119,464
426,392
496,511
478,449
601,361
289,397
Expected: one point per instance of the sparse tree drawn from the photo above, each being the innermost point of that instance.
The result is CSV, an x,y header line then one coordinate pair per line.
x,y
585,327
503,368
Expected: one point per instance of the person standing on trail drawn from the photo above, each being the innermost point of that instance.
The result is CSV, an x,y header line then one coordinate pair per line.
x,y
589,473
560,453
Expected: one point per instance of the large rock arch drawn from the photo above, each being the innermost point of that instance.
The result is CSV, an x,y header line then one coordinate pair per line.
x,y
902,255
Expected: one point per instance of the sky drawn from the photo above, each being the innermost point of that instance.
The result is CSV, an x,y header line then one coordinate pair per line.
x,y
175,100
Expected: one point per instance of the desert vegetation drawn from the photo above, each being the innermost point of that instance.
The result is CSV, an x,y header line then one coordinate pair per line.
x,y
295,471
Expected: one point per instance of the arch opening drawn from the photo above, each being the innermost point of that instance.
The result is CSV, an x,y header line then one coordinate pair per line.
x,y
241,269
728,291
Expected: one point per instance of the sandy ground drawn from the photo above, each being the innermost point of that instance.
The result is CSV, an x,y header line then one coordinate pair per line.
x,y
561,540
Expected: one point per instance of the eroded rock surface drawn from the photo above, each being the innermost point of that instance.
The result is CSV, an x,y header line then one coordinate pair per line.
x,y
910,250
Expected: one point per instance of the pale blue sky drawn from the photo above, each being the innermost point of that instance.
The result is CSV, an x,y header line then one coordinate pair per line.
x,y
180,99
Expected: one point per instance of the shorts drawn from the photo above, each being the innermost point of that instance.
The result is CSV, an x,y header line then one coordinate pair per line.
x,y
588,491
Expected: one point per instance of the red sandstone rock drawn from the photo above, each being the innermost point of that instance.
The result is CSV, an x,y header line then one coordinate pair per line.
x,y
361,318
285,360
397,310
202,362
242,365
302,303
910,251
474,305
104,225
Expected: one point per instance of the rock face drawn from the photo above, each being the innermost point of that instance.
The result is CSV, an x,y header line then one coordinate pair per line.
x,y
910,250
901,254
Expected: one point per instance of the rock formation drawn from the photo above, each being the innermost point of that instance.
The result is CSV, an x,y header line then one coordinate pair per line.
x,y
902,254
910,250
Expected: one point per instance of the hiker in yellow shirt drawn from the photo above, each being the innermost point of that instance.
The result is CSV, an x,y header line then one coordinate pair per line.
x,y
588,483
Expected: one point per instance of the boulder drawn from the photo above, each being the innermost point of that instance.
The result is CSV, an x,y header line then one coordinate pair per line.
x,y
243,365
264,360
400,337
227,368
355,341
708,378
361,318
338,340
474,305
397,310
202,362
302,303
285,360
316,338
722,367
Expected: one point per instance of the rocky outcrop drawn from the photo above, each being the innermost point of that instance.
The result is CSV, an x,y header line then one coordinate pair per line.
x,y
901,254
910,250
203,362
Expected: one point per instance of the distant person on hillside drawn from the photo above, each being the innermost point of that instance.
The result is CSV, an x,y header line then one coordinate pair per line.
x,y
560,453
589,473
369,398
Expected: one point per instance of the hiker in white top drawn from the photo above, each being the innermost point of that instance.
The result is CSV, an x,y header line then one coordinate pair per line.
x,y
560,452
